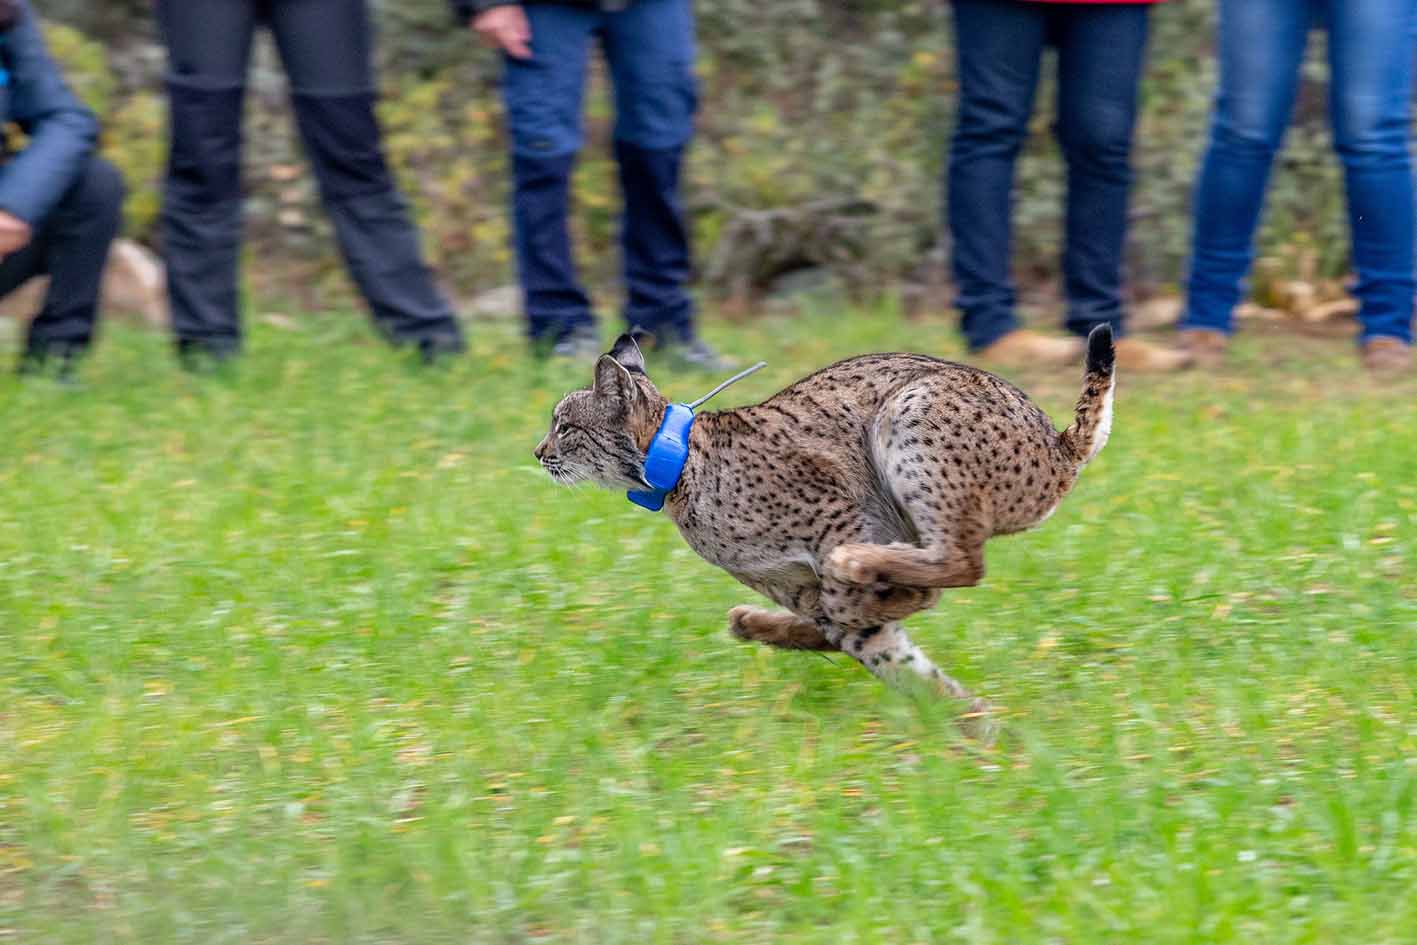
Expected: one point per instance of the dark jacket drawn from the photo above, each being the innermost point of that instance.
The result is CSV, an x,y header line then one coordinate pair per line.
x,y
62,132
467,9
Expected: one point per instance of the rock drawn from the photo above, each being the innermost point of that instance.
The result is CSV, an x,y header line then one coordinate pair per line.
x,y
501,303
21,304
135,284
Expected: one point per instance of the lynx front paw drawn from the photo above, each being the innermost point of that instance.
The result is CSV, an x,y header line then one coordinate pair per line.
x,y
738,623
783,630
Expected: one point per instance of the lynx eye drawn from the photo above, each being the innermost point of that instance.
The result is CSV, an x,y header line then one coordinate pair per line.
x,y
562,429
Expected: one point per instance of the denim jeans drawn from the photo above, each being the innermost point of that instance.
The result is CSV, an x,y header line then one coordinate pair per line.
x,y
1370,52
1101,51
649,47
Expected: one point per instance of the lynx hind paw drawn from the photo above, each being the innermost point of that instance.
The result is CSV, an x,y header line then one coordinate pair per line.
x,y
855,564
980,722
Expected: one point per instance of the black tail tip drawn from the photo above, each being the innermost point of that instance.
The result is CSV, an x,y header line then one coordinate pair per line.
x,y
1101,355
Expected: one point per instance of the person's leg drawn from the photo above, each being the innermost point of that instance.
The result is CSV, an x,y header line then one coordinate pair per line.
x,y
1101,51
1261,44
650,47
543,96
325,46
72,247
999,44
208,45
1371,44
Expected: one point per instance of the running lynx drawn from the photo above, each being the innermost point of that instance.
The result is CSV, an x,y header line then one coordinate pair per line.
x,y
852,497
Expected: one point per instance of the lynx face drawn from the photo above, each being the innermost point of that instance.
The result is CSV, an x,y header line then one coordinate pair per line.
x,y
595,434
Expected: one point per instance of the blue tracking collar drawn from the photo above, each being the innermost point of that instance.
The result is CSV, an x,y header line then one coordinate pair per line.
x,y
669,450
664,463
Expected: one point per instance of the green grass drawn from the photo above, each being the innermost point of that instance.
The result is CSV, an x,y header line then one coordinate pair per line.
x,y
310,652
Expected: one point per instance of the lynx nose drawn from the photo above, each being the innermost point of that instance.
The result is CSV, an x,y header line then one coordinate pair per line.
x,y
540,450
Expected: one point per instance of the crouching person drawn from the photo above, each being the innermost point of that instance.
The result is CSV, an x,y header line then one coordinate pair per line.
x,y
60,205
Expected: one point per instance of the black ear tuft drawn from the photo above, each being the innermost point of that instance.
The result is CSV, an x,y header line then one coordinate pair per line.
x,y
627,354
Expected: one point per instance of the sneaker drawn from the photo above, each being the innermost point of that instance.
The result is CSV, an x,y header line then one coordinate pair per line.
x,y
582,344
1023,348
1386,355
1206,346
1143,357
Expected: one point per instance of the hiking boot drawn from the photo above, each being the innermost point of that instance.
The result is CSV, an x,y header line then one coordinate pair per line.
x,y
1143,357
1023,348
1206,346
1386,356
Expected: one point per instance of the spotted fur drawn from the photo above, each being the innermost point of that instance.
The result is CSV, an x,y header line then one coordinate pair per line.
x,y
853,497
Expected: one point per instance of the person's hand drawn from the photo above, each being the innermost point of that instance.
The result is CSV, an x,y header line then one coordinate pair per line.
x,y
15,234
506,28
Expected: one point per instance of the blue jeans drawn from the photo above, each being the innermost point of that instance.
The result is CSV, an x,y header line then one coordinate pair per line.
x,y
649,46
1370,52
1000,44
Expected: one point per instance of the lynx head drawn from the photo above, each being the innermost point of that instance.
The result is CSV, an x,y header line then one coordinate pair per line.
x,y
600,434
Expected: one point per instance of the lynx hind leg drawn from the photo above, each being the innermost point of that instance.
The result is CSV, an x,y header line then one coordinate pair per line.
x,y
891,656
944,562
872,604
776,628
938,498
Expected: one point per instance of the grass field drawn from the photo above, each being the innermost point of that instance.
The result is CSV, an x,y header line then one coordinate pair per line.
x,y
311,653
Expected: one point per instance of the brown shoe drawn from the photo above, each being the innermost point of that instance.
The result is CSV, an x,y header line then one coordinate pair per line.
x,y
1386,356
1023,348
1142,357
1206,346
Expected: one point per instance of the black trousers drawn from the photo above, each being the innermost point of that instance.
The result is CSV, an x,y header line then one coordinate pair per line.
x,y
325,48
71,247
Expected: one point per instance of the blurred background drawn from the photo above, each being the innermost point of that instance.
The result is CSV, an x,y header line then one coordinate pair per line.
x,y
816,169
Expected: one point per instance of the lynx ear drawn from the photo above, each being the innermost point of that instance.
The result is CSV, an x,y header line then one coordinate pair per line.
x,y
614,382
627,352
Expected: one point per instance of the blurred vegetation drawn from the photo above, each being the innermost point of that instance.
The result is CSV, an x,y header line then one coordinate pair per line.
x,y
823,131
